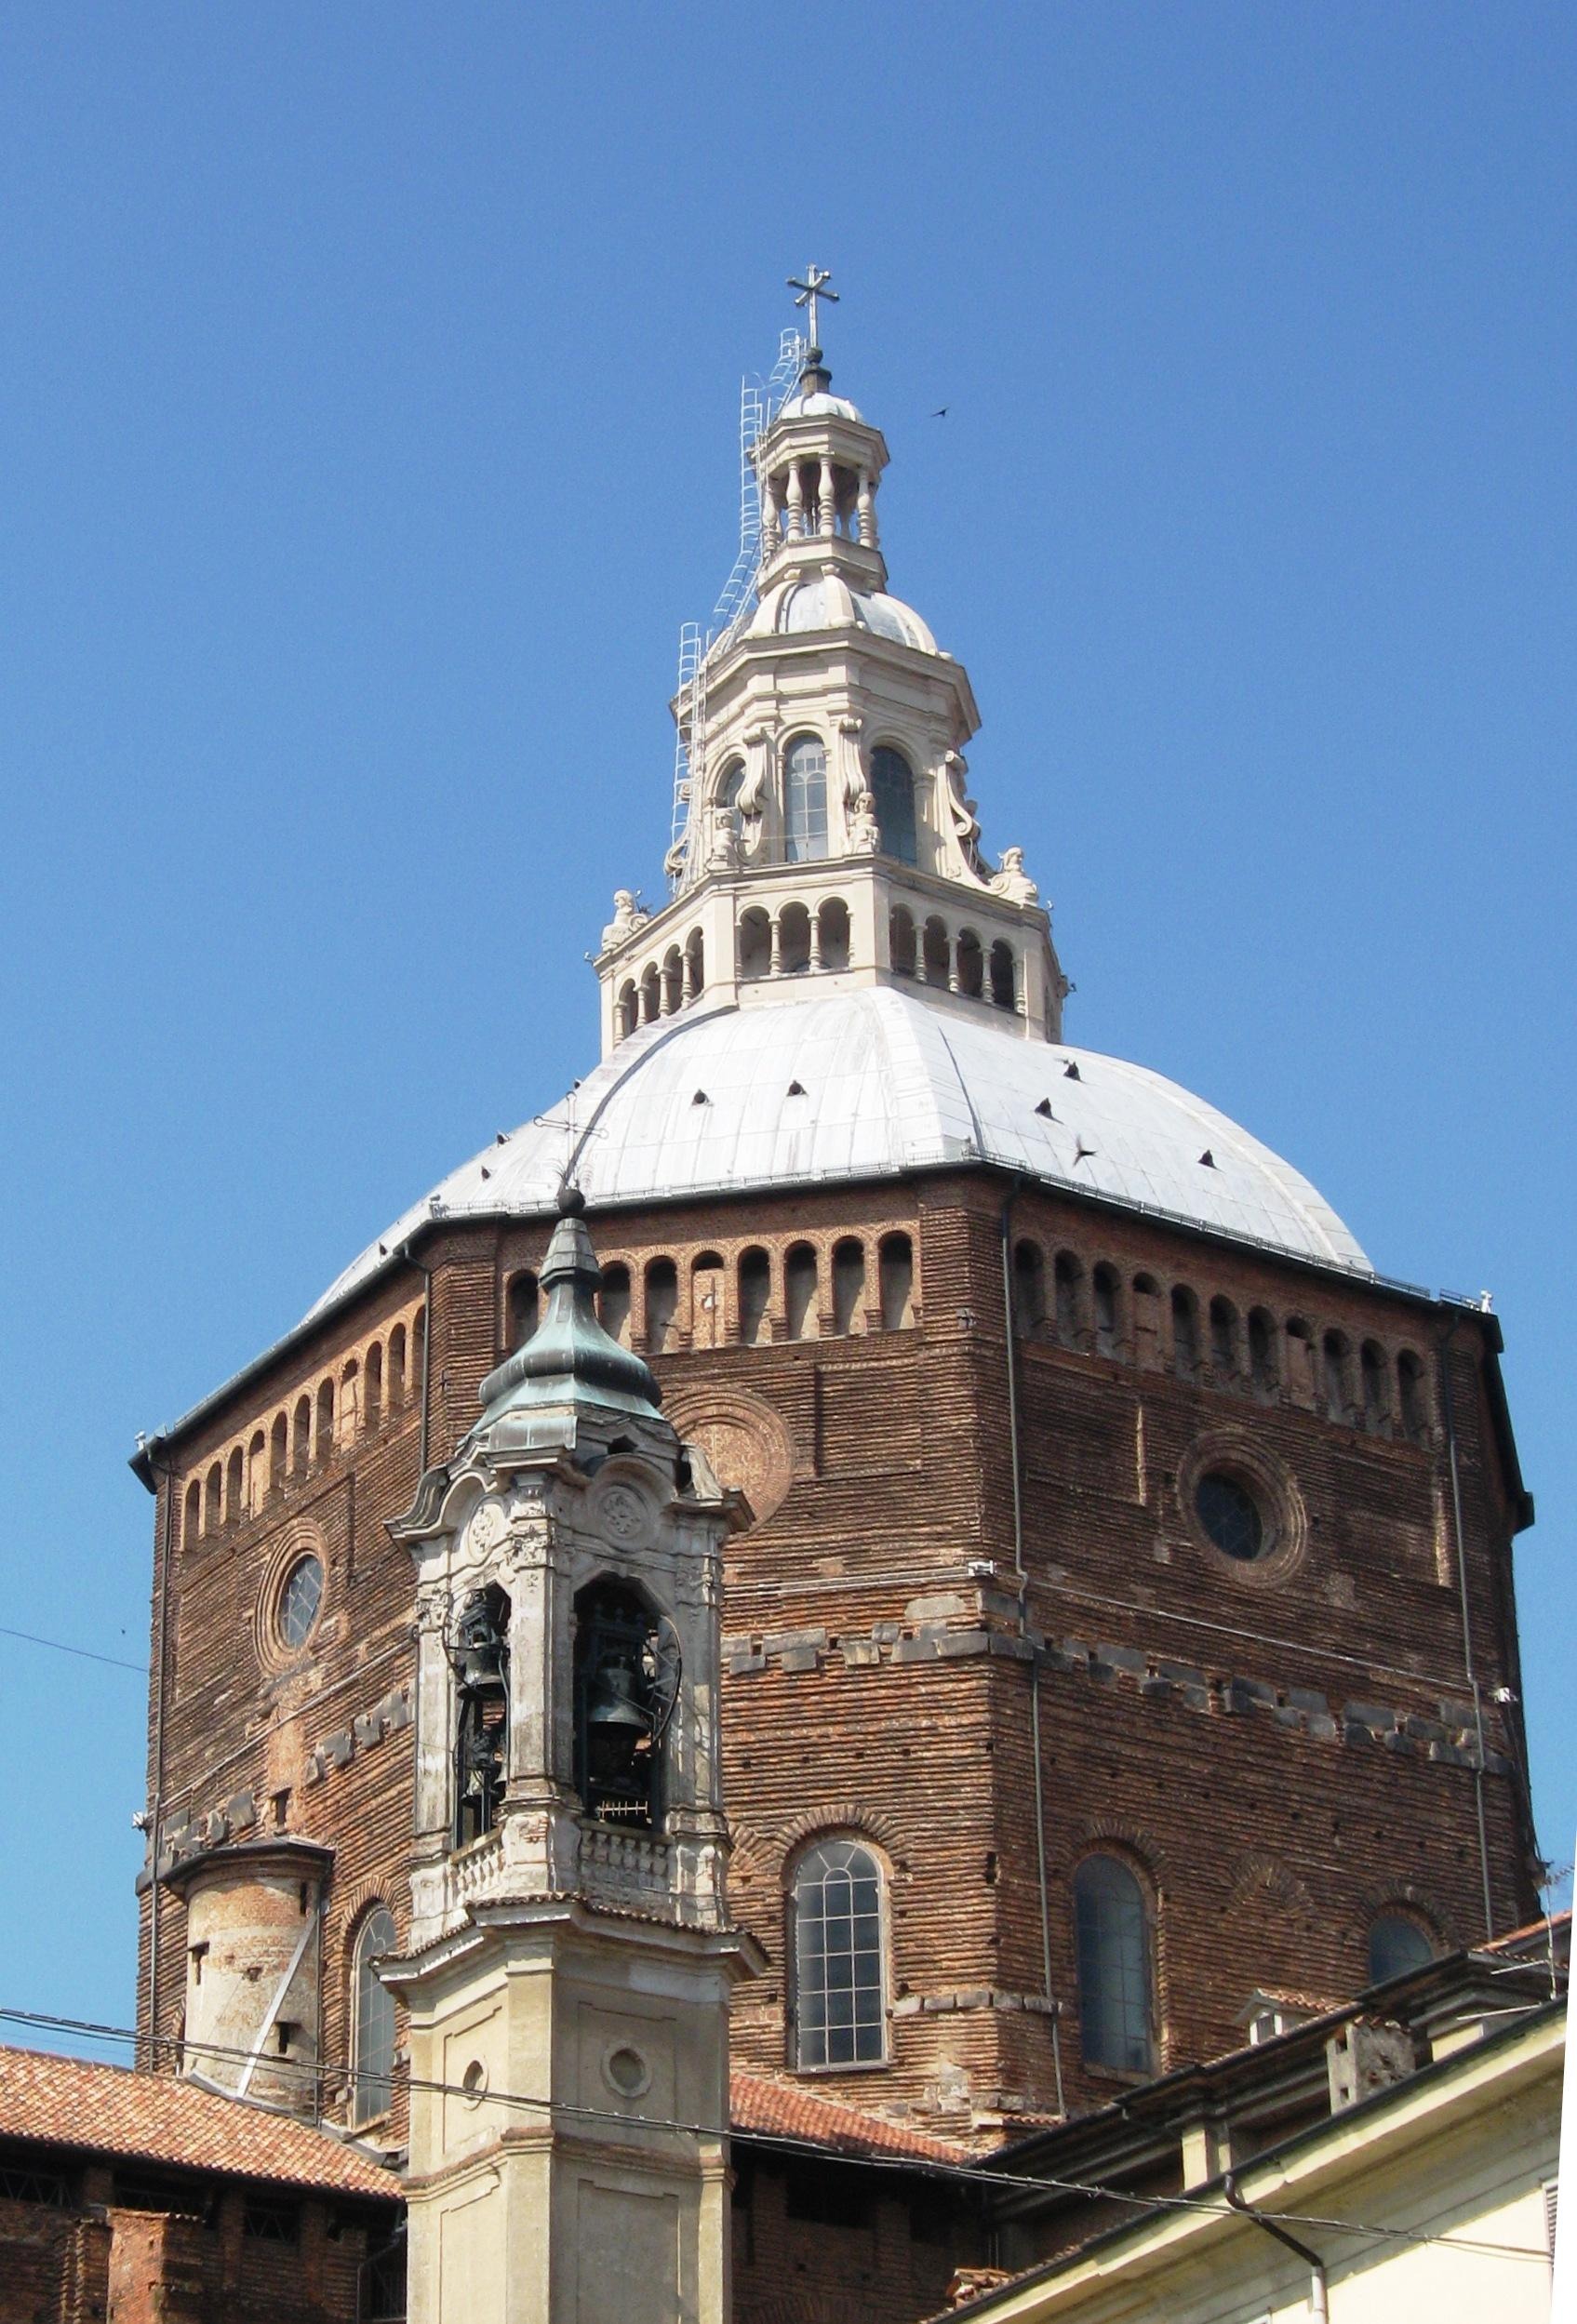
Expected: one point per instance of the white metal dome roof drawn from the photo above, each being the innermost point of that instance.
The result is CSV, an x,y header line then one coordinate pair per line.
x,y
824,601
868,1084
816,404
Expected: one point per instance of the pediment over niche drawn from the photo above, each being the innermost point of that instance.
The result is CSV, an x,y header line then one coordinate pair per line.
x,y
748,1443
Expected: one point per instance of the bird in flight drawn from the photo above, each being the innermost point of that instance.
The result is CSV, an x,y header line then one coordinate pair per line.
x,y
942,414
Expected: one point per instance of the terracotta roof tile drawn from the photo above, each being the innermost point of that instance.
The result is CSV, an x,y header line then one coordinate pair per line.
x,y
116,2110
780,2111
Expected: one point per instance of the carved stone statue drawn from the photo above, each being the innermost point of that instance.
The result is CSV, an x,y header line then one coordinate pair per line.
x,y
865,832
1013,881
966,821
628,915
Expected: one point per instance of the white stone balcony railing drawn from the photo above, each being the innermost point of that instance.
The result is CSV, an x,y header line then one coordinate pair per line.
x,y
473,1873
625,1863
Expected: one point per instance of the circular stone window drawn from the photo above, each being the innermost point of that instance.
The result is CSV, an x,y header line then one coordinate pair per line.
x,y
627,2072
1231,1515
1242,1506
473,2083
301,1595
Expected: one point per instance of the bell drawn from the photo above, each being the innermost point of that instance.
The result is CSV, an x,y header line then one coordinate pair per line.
x,y
616,1725
616,1704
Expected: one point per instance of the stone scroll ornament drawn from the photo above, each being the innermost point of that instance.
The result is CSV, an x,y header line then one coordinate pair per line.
x,y
961,813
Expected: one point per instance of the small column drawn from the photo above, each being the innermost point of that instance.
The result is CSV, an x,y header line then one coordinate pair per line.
x,y
868,511
771,518
796,504
815,941
686,973
829,500
953,983
775,966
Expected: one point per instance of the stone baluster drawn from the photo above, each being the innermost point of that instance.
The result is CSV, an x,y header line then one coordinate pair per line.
x,y
867,508
816,961
796,504
829,500
776,966
953,983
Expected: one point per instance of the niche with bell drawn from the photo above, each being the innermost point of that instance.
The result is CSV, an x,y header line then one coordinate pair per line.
x,y
479,1658
627,1672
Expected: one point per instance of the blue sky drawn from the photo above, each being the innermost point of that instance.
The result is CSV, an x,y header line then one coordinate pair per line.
x,y
368,404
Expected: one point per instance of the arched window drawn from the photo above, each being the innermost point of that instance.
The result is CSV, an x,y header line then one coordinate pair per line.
x,y
707,1293
372,1407
322,1443
1146,1319
257,1472
278,1452
756,942
193,1514
895,1272
525,1307
1114,1966
301,1443
652,994
849,1284
672,980
372,2020
1029,1286
396,1367
1300,1359
754,1294
832,934
1108,1317
1185,1332
1336,1377
839,1987
213,1499
1262,1351
800,1293
1373,1369
805,801
480,1655
695,963
1004,976
893,787
1414,1402
624,1690
901,941
936,954
661,1303
1395,1944
613,1302
235,1478
1066,1277
971,965
793,939
629,1009
1224,1339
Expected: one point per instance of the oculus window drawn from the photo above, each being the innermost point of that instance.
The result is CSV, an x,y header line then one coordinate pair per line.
x,y
299,1598
1231,1515
840,2007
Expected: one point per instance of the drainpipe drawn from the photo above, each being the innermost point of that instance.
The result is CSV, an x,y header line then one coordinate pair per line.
x,y
1470,1673
155,1805
1319,2288
1034,1664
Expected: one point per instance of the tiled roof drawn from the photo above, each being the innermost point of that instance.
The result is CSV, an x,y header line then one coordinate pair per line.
x,y
114,2110
775,2110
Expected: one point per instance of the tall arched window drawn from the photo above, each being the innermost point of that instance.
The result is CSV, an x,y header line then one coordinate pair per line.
x,y
839,1987
372,2019
805,801
1395,1944
1114,1966
893,787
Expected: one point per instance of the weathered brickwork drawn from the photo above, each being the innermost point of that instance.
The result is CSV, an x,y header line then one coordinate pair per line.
x,y
1280,1752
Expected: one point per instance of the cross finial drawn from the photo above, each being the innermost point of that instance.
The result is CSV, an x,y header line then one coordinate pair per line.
x,y
814,287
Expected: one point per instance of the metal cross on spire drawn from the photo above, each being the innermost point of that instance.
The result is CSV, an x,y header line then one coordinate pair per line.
x,y
814,287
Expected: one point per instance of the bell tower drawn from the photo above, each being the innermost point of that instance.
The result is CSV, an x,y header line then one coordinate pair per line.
x,y
570,1955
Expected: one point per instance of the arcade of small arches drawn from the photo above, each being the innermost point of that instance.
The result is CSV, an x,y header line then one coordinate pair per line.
x,y
373,1386
809,938
824,1287
1100,1311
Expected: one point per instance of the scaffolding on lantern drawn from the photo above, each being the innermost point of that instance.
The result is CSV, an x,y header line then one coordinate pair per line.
x,y
760,401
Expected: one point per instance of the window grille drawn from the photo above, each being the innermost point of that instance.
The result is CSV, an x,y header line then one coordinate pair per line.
x,y
805,802
373,2005
840,2017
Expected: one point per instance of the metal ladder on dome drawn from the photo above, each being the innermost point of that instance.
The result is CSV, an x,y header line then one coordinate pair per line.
x,y
760,401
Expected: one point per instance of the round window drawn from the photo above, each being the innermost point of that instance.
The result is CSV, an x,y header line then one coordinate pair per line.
x,y
299,1598
1231,1515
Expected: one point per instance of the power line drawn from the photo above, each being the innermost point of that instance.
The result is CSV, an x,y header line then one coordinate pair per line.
x,y
84,1653
961,2174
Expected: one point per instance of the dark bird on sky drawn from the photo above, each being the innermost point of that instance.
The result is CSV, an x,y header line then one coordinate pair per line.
x,y
942,414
